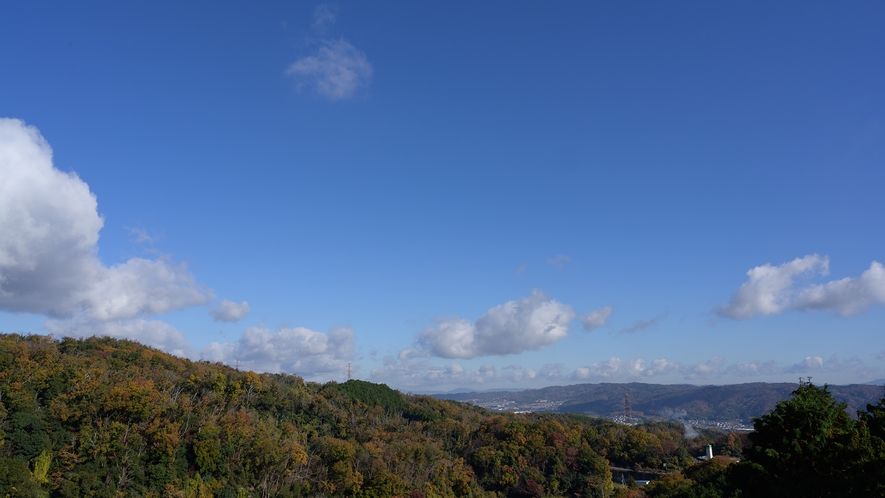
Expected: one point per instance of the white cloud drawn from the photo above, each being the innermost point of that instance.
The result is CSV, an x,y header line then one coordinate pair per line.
x,y
336,72
813,364
295,350
754,368
702,370
425,375
809,364
616,368
49,229
881,355
532,323
142,287
596,318
549,371
770,290
154,333
848,296
229,311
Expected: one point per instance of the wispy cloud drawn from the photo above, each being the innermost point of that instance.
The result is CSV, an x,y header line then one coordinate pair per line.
x,y
771,290
336,71
643,324
559,260
229,311
412,353
521,269
596,318
141,235
324,15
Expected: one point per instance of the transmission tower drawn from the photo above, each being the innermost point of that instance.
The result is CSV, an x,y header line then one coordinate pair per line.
x,y
349,371
627,415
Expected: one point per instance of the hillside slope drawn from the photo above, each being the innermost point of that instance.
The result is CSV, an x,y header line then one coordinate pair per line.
x,y
106,417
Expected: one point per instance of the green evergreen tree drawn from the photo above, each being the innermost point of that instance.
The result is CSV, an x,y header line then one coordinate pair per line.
x,y
808,446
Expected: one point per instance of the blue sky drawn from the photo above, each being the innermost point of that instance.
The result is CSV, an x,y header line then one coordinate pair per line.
x,y
485,195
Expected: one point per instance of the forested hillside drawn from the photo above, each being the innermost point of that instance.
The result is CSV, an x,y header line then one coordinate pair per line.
x,y
105,417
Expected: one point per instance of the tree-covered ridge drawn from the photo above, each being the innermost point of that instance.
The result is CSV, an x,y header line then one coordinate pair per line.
x,y
107,417
375,395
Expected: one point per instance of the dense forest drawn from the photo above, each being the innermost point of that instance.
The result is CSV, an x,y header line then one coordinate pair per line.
x,y
106,417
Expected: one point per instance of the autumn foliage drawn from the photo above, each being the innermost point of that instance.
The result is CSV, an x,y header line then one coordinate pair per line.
x,y
107,417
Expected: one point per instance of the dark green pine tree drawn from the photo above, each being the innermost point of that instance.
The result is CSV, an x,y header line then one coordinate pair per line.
x,y
873,469
808,446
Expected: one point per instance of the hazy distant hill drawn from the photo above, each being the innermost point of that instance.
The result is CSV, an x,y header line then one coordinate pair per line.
x,y
729,402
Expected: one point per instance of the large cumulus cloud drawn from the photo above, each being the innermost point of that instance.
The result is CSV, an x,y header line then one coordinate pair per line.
x,y
528,324
49,265
772,289
513,327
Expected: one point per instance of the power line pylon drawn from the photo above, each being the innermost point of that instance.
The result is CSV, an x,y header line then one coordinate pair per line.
x,y
628,416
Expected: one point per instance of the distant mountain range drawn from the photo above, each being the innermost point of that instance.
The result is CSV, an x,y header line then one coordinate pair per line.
x,y
677,401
